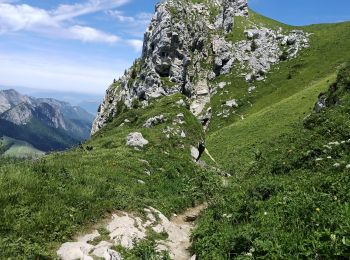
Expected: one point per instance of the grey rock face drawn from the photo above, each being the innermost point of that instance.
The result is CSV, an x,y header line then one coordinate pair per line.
x,y
19,115
10,98
223,52
230,9
181,41
264,48
136,140
173,51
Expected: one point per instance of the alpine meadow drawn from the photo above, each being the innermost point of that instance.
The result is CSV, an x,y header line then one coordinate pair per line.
x,y
229,138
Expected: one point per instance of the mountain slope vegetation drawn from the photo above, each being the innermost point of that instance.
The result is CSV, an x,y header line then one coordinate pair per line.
x,y
47,201
291,200
289,160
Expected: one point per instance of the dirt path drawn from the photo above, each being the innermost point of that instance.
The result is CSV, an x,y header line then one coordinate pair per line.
x,y
179,231
124,229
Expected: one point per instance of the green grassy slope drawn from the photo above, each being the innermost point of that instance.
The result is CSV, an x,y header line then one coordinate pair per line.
x,y
234,146
46,202
293,201
19,149
290,191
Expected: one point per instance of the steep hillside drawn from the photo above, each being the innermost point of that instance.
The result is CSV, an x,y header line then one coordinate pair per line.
x,y
291,199
220,112
46,124
77,188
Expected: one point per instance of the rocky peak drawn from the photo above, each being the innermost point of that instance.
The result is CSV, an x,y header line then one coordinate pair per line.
x,y
185,48
10,98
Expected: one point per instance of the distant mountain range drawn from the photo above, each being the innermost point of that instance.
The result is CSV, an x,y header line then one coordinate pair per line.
x,y
88,101
46,124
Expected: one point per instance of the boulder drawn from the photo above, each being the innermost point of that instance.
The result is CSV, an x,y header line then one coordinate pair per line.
x,y
194,152
136,140
231,103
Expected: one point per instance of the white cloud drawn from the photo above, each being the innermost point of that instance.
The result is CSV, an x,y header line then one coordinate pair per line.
x,y
139,19
21,17
88,34
57,73
136,44
64,12
56,22
133,25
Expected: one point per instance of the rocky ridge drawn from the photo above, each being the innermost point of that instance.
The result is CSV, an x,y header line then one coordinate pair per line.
x,y
185,49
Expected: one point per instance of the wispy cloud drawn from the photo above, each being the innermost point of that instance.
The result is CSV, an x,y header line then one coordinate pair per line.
x,y
88,34
135,25
64,12
139,19
53,71
59,22
136,44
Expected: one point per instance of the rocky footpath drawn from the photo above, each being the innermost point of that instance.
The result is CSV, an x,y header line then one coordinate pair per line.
x,y
185,48
124,229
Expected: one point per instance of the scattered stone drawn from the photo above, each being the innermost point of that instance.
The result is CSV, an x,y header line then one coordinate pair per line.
x,y
141,182
336,165
347,166
181,103
136,140
251,89
232,103
221,85
194,152
153,121
211,75
144,161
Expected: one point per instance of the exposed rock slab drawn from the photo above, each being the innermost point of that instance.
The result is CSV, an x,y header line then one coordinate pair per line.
x,y
126,229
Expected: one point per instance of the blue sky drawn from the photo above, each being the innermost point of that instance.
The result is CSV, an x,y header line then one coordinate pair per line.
x,y
81,45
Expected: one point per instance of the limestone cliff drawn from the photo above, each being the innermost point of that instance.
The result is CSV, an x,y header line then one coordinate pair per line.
x,y
185,48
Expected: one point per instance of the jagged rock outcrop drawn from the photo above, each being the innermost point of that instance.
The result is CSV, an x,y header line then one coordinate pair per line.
x,y
230,9
185,49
